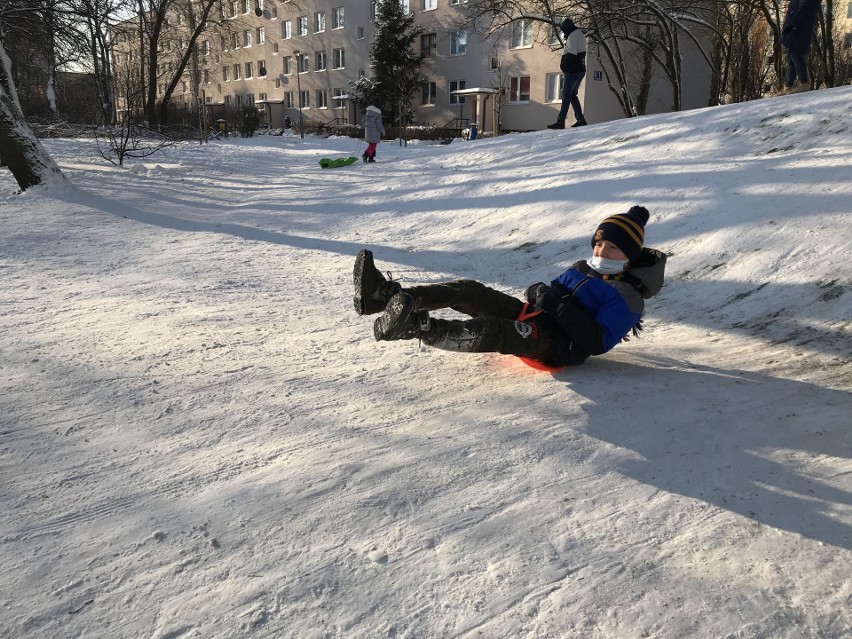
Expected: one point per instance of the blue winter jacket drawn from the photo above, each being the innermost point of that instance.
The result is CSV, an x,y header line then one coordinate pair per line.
x,y
588,313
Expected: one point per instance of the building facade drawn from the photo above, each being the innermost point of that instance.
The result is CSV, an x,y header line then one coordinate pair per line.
x,y
290,54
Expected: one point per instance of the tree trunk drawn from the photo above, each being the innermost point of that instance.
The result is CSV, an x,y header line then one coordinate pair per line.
x,y
21,151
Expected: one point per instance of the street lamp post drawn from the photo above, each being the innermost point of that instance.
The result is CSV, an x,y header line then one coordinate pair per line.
x,y
298,55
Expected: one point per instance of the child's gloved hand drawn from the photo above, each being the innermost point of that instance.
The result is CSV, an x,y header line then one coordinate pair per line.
x,y
534,291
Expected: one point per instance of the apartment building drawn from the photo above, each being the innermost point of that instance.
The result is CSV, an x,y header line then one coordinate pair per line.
x,y
305,53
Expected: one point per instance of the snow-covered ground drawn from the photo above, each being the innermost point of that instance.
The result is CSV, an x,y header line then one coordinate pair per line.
x,y
200,438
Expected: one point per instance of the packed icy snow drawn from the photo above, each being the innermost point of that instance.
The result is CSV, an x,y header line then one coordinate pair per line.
x,y
200,438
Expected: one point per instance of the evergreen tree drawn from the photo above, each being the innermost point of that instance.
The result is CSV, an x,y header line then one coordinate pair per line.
x,y
396,66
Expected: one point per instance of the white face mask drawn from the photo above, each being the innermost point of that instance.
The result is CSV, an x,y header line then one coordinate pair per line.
x,y
606,267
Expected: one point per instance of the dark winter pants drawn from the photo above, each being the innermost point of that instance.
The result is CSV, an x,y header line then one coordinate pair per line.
x,y
494,327
796,67
570,88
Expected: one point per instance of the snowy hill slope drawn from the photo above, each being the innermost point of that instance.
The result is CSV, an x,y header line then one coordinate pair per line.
x,y
199,438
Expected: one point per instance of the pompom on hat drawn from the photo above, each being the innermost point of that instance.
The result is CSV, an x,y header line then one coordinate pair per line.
x,y
625,230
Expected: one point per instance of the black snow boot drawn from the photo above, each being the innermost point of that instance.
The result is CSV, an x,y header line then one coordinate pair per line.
x,y
557,125
401,320
580,122
372,289
365,157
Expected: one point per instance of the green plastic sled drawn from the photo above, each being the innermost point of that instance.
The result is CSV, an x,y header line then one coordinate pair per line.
x,y
327,163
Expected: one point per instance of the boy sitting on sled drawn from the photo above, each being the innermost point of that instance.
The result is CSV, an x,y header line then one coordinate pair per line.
x,y
585,311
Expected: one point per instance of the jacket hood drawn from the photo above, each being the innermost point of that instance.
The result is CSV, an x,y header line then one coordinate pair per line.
x,y
374,109
567,26
650,270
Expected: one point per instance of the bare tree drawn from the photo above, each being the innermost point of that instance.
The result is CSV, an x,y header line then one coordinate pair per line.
x,y
165,64
20,149
94,21
631,37
127,138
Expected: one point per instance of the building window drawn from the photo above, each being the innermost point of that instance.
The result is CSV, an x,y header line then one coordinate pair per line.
x,y
338,58
274,48
235,40
250,99
205,47
428,93
288,99
261,35
236,71
249,70
457,85
302,25
207,76
429,44
553,90
519,88
336,94
247,38
305,97
304,63
849,11
555,33
239,101
321,61
261,96
521,33
337,18
406,7
319,22
458,42
428,5
322,99
244,6
288,65
225,77
286,30
261,68
847,40
495,63
228,101
360,33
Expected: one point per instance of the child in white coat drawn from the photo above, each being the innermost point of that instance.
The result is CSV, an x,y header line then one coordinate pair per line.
x,y
373,132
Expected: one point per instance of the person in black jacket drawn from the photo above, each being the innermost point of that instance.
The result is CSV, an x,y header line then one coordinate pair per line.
x,y
796,34
573,66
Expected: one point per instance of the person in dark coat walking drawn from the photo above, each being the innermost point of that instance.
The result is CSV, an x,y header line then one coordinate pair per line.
x,y
586,310
796,34
573,67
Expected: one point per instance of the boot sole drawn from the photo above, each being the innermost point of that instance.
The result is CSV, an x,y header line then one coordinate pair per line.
x,y
365,281
391,325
